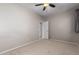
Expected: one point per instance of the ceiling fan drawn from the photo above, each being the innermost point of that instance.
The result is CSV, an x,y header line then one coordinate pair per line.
x,y
45,5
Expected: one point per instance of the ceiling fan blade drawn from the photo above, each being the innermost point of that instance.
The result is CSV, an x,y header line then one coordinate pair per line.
x,y
44,8
51,5
39,4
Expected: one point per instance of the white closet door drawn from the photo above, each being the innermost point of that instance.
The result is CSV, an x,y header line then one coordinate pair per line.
x,y
45,30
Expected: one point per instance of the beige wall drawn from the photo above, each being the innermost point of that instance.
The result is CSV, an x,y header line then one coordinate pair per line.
x,y
61,26
17,26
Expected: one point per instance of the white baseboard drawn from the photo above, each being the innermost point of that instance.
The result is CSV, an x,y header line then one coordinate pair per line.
x,y
18,46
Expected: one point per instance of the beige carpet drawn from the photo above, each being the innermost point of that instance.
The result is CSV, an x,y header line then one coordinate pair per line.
x,y
47,47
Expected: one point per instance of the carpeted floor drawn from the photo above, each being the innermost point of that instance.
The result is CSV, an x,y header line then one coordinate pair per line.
x,y
47,47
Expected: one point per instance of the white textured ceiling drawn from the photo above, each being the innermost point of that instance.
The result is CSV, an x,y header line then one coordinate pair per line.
x,y
60,7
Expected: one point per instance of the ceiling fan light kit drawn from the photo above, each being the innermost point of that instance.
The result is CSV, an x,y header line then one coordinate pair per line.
x,y
46,4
